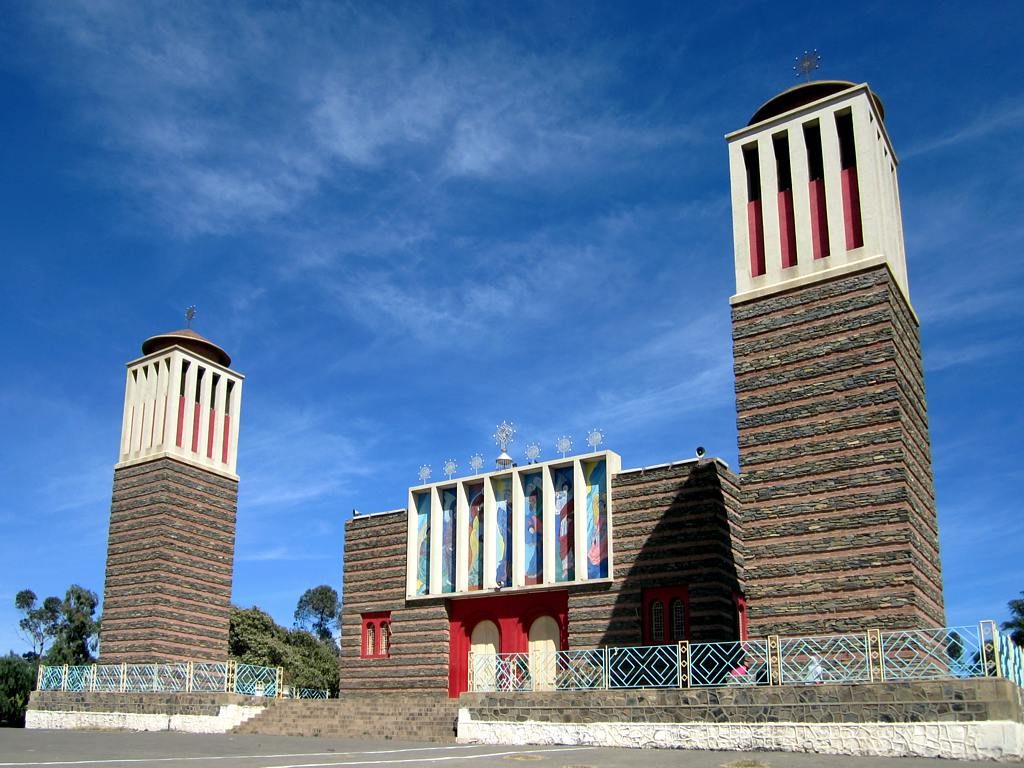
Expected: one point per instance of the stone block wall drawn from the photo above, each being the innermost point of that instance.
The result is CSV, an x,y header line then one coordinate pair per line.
x,y
839,505
677,525
374,572
170,558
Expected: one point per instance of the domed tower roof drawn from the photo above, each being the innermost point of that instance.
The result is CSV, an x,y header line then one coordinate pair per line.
x,y
190,340
805,93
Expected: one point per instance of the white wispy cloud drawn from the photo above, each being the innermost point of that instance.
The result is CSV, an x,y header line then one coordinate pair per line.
x,y
1005,117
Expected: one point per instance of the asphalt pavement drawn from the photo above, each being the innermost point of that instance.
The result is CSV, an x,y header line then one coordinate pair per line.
x,y
118,749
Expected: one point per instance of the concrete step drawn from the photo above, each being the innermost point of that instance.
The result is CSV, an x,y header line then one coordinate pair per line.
x,y
387,716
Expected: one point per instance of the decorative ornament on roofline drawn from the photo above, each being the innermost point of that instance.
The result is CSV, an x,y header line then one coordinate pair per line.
x,y
451,466
594,438
476,463
532,452
424,473
564,445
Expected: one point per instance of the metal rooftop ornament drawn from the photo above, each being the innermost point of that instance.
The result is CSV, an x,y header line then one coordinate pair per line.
x,y
476,462
424,473
532,452
594,438
563,444
504,434
807,63
190,314
451,467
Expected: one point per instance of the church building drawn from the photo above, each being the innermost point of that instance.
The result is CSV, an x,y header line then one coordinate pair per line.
x,y
830,524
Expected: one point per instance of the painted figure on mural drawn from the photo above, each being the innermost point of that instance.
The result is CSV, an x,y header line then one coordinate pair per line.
x,y
448,540
476,536
534,533
566,533
503,515
423,544
597,521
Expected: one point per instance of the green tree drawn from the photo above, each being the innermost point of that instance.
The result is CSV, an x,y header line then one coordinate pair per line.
x,y
308,662
70,624
317,611
1015,626
38,626
17,676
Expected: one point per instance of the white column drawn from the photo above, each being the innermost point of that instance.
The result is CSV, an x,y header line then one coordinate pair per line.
x,y
139,412
490,543
770,208
833,185
188,423
204,413
549,527
741,243
173,400
801,176
518,532
434,587
461,539
160,410
868,148
219,400
579,519
126,419
236,411
612,467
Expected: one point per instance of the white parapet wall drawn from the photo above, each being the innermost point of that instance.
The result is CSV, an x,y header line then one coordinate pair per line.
x,y
984,740
229,716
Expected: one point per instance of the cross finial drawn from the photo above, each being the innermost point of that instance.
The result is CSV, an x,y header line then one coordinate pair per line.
x,y
807,63
190,314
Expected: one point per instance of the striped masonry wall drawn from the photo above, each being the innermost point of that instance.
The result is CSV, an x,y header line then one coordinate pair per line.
x,y
840,521
169,564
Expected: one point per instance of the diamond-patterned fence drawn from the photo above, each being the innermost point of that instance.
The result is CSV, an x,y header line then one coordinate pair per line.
x,y
929,654
916,654
163,678
827,659
742,662
645,666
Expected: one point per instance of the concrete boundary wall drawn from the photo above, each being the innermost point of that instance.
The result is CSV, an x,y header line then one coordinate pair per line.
x,y
229,716
987,740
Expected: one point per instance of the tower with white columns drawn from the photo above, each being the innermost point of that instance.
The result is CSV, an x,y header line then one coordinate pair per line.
x,y
170,552
840,521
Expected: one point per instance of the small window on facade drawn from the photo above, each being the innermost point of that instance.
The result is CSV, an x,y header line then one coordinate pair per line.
x,y
678,621
657,621
376,637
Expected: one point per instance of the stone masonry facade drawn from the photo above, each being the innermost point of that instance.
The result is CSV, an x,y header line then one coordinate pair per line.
x,y
676,525
839,508
169,564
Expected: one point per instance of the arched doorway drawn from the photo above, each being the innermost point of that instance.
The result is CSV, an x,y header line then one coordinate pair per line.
x,y
483,650
543,645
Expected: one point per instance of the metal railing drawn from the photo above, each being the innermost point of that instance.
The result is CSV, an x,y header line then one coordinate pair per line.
x,y
917,654
229,676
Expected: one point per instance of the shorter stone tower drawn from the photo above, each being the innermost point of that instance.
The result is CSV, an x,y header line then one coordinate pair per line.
x,y
840,522
170,553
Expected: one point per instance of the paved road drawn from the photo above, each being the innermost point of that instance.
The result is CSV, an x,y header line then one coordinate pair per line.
x,y
180,750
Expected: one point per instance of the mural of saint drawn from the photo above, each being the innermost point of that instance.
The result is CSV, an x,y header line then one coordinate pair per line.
x,y
423,543
475,494
566,557
448,540
533,512
597,520
503,537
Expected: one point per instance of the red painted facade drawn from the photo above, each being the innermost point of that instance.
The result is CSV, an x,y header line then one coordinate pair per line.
x,y
819,219
787,228
513,615
851,209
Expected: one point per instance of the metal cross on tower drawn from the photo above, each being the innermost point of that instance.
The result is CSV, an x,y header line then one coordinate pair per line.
x,y
807,63
190,314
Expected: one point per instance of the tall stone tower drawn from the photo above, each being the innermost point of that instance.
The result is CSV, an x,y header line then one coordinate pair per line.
x,y
833,427
172,520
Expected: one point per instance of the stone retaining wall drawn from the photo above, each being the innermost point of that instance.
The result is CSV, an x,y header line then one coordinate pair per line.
x,y
190,712
967,719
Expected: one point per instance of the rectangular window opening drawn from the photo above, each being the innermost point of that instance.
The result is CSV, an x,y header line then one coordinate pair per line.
x,y
787,224
755,222
816,189
848,176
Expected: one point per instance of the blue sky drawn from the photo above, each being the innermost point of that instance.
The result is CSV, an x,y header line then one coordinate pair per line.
x,y
407,222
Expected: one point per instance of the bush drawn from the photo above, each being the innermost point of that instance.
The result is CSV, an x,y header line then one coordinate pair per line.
x,y
17,678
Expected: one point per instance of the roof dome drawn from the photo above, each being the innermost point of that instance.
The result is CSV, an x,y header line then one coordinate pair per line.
x,y
805,93
190,340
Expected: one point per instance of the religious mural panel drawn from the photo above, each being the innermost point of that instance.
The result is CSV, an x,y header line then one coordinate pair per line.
x,y
448,539
533,519
597,519
565,550
503,531
423,543
475,497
